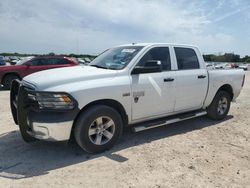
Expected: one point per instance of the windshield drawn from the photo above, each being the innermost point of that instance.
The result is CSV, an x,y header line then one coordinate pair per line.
x,y
116,58
24,60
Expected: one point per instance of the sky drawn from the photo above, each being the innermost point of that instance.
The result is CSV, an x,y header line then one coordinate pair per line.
x,y
91,26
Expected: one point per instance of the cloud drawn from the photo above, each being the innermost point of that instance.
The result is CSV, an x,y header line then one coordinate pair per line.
x,y
218,42
82,26
213,10
231,13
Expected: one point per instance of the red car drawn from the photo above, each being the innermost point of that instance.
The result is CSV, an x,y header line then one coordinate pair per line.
x,y
22,69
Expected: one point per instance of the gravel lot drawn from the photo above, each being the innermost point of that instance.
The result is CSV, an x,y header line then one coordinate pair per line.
x,y
194,153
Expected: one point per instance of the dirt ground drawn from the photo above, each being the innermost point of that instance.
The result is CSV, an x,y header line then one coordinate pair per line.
x,y
194,153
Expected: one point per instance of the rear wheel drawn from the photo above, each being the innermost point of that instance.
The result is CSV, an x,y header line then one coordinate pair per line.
x,y
220,106
8,80
98,128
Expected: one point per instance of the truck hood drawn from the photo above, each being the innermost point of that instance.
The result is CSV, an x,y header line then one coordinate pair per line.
x,y
59,76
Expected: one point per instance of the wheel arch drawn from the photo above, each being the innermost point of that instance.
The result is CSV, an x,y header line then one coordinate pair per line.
x,y
212,109
10,73
108,102
228,88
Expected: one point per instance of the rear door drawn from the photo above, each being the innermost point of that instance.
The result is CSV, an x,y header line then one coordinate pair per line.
x,y
191,79
152,94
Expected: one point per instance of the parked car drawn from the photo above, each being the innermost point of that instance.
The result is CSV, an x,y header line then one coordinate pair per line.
x,y
138,85
82,61
234,65
26,67
2,62
245,67
87,60
223,66
210,65
15,61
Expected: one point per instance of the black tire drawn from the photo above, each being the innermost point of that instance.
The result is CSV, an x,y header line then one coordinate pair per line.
x,y
8,80
213,111
87,119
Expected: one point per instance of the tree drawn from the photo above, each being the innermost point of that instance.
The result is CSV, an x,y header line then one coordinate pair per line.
x,y
245,59
51,54
227,57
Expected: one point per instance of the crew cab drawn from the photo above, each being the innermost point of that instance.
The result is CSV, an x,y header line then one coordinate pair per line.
x,y
26,67
137,85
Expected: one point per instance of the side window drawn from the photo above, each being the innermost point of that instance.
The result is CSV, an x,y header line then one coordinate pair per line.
x,y
158,54
57,61
186,58
35,62
52,61
63,61
43,62
38,62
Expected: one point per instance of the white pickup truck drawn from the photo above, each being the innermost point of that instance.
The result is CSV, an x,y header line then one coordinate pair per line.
x,y
138,85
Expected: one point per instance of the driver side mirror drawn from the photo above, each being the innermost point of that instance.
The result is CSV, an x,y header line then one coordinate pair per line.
x,y
150,66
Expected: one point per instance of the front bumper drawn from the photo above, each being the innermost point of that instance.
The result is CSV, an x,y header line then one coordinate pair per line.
x,y
45,125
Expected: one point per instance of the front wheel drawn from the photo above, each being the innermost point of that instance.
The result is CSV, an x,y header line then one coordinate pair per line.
x,y
98,128
8,80
220,106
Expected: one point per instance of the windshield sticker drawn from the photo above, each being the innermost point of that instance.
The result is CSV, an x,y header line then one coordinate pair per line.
x,y
128,50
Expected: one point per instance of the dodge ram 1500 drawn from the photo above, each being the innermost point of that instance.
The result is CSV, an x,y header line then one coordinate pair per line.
x,y
138,85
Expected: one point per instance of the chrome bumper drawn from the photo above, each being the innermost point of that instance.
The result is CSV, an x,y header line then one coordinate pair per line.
x,y
52,132
50,126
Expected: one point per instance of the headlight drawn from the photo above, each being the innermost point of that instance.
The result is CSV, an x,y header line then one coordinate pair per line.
x,y
53,101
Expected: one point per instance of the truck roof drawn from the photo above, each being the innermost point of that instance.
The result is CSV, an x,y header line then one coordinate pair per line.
x,y
152,44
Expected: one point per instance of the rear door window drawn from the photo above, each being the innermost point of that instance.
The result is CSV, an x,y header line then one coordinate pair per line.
x,y
38,62
186,58
57,61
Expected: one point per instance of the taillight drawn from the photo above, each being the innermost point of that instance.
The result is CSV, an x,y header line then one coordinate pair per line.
x,y
243,81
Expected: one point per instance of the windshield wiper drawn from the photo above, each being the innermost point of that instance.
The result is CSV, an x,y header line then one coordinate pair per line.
x,y
98,66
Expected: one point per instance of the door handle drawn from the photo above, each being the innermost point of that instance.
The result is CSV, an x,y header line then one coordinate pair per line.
x,y
168,80
202,76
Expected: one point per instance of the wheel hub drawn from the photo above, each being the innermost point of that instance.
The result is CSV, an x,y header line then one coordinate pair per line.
x,y
222,106
101,130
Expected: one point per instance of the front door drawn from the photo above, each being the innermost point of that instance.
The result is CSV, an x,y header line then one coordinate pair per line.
x,y
153,93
